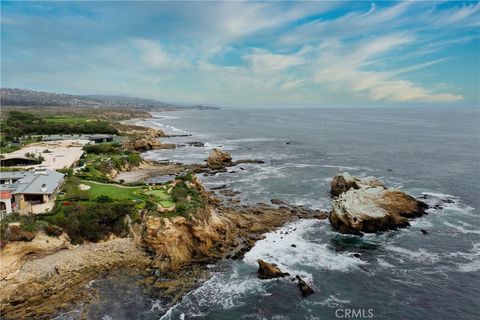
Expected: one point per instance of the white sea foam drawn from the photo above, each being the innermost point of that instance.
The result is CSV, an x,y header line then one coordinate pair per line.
x,y
471,259
222,290
334,302
249,140
423,222
439,195
420,255
277,248
385,264
461,229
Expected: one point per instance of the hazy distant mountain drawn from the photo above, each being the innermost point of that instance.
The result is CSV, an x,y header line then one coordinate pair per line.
x,y
31,98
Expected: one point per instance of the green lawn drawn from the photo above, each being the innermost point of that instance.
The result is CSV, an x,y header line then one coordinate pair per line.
x,y
117,192
65,119
161,196
113,191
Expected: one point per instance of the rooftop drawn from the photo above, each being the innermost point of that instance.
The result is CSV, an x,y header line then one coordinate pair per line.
x,y
41,181
6,175
57,155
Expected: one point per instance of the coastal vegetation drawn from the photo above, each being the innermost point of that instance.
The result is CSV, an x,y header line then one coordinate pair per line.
x,y
104,160
18,124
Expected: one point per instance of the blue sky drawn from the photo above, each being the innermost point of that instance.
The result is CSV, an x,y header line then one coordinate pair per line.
x,y
247,53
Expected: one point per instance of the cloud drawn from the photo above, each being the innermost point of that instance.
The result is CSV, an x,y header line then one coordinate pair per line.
x,y
246,53
346,73
261,60
153,55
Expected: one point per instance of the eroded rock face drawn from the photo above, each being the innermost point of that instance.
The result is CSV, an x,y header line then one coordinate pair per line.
x,y
176,241
366,205
45,284
219,159
15,253
139,131
344,181
269,270
146,144
213,233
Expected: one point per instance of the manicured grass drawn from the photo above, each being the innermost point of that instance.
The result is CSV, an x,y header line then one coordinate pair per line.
x,y
65,119
113,191
162,197
116,192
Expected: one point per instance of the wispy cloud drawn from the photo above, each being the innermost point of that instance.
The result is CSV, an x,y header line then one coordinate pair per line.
x,y
247,53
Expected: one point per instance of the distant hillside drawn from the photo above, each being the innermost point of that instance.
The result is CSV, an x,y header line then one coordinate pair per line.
x,y
31,98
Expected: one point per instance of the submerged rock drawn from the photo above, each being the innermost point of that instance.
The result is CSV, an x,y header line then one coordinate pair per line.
x,y
366,205
269,270
196,144
279,202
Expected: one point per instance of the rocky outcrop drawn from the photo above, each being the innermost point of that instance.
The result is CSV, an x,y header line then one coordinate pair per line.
x,y
304,288
146,144
344,181
139,131
15,253
213,233
195,144
219,159
366,205
269,270
241,161
46,284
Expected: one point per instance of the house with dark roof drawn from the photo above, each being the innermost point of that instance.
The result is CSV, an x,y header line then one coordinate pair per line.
x,y
26,191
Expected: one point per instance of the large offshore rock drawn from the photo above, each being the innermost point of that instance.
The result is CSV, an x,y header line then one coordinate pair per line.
x,y
219,159
344,181
366,205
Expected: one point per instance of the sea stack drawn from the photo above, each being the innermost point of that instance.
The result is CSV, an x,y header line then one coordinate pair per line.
x,y
219,159
366,205
269,270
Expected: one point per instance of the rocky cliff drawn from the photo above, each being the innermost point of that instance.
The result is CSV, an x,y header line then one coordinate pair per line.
x,y
37,286
214,233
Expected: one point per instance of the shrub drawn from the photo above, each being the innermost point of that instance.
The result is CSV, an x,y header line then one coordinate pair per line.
x,y
103,199
102,148
53,230
92,221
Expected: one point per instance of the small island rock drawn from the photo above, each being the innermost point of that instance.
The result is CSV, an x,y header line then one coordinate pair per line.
x,y
219,159
269,270
366,205
304,288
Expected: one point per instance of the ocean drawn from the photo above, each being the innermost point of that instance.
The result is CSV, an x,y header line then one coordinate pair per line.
x,y
429,152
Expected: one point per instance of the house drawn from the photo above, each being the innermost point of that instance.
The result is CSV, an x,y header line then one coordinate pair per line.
x,y
29,191
53,155
95,138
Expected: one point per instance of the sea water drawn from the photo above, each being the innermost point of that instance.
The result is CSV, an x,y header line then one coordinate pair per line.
x,y
429,152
